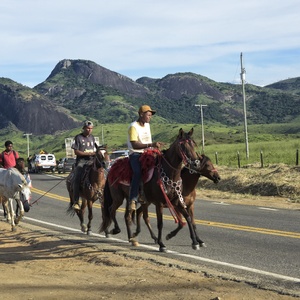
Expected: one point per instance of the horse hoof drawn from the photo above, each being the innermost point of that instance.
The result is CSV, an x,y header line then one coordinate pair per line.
x,y
196,247
89,232
83,228
163,249
115,231
168,237
203,245
135,243
13,229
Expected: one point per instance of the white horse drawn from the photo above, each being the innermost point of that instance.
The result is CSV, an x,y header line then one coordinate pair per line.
x,y
13,186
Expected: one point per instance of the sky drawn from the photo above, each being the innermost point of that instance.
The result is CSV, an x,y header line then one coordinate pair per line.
x,y
152,38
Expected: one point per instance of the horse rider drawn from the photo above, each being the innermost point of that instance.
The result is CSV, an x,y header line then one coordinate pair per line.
x,y
84,149
139,139
8,159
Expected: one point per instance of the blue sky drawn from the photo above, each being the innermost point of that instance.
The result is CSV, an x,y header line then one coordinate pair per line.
x,y
152,38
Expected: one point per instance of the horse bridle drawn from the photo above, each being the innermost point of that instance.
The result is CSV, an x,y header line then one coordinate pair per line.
x,y
101,163
187,161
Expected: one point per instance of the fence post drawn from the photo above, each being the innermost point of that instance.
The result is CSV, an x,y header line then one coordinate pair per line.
x,y
297,157
261,159
216,156
239,160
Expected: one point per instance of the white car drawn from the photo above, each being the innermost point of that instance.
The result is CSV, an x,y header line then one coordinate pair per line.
x,y
42,162
117,155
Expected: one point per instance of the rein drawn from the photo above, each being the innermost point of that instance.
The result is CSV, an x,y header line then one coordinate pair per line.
x,y
46,192
165,180
162,178
98,192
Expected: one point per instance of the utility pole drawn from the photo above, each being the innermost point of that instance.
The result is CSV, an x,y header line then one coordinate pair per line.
x,y
202,127
27,135
243,76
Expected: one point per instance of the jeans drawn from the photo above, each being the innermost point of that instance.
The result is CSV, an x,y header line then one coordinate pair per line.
x,y
135,164
77,179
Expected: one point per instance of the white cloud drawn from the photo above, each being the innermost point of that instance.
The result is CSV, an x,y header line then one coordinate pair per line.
x,y
152,38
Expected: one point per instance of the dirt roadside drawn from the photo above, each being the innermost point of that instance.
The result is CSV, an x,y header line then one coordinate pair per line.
x,y
37,264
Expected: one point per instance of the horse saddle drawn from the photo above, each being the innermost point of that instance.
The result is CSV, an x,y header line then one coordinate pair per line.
x,y
84,178
121,172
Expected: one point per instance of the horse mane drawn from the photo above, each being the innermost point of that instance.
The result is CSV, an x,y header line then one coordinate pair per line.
x,y
18,174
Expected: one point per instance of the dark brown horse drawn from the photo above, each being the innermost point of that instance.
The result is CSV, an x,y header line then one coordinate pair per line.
x,y
91,190
162,189
190,176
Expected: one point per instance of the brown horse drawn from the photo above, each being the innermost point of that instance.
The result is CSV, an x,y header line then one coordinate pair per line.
x,y
162,189
92,184
190,177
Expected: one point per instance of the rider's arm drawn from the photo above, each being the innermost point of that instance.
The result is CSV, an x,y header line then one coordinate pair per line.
x,y
83,153
139,145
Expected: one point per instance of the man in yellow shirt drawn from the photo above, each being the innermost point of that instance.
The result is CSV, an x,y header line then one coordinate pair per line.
x,y
139,139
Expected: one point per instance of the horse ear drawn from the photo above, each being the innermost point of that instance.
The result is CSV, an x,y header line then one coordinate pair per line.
x,y
180,132
191,132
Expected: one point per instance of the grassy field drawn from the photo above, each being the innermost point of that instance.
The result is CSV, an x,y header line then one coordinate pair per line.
x,y
268,144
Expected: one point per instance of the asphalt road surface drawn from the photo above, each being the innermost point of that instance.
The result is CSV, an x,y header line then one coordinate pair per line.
x,y
242,241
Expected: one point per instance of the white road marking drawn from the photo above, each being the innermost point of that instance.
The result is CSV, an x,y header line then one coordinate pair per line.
x,y
239,267
267,208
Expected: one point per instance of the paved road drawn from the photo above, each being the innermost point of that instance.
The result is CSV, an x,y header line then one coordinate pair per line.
x,y
242,241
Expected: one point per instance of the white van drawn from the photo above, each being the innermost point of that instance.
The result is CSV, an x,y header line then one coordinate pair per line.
x,y
42,162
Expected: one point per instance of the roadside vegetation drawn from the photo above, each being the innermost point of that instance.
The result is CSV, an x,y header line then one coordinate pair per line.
x,y
275,143
271,169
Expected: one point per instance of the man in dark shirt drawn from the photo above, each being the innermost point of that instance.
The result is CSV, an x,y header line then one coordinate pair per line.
x,y
84,149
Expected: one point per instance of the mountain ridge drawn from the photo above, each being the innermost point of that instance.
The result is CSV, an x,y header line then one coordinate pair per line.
x,y
81,89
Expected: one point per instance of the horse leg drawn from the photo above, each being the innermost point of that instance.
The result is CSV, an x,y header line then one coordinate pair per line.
x,y
112,216
116,228
191,213
159,216
4,206
80,214
174,232
19,216
195,243
128,222
7,216
143,209
90,216
138,221
11,213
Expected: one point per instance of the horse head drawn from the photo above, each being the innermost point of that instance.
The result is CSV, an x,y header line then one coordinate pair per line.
x,y
181,150
184,146
204,166
25,195
101,156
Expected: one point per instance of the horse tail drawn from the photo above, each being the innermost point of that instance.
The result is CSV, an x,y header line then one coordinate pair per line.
x,y
106,205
